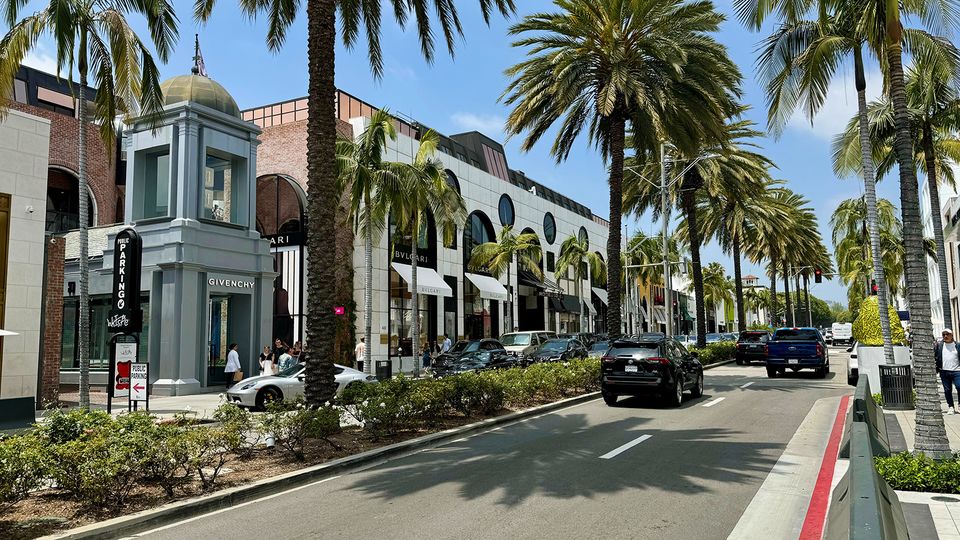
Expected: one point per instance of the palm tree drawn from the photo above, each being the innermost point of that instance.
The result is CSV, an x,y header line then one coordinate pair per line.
x,y
717,288
362,171
756,299
355,18
495,257
423,189
604,65
575,253
854,252
95,38
935,114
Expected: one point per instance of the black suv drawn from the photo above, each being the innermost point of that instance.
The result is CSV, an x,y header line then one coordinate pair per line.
x,y
650,364
752,345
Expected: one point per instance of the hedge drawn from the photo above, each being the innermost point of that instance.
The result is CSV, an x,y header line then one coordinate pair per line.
x,y
917,472
716,352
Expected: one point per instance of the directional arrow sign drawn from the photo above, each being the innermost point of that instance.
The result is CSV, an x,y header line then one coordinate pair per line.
x,y
139,380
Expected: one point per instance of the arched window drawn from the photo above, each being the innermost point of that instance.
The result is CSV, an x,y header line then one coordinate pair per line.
x,y
506,210
480,316
63,202
477,230
582,236
549,228
452,180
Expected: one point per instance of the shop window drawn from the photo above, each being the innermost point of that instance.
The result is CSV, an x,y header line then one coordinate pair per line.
x,y
401,317
223,189
155,198
99,345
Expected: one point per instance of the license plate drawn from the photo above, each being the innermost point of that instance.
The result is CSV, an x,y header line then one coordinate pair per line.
x,y
793,361
630,369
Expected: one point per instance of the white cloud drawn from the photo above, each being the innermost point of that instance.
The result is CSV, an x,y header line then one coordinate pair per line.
x,y
839,106
40,59
488,124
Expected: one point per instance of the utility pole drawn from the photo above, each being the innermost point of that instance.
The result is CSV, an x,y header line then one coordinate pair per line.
x,y
665,216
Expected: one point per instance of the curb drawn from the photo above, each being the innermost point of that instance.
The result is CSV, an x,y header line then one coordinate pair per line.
x,y
718,364
181,510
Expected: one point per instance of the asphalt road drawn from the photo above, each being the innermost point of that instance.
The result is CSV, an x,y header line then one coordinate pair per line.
x,y
637,470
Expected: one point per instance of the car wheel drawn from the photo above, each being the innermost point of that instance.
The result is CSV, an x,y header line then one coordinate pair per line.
x,y
822,372
771,373
697,390
675,398
609,399
739,362
267,395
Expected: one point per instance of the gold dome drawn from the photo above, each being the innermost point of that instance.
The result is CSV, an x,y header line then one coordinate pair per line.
x,y
202,90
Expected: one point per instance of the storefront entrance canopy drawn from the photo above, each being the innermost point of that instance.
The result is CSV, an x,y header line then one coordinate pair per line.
x,y
567,303
590,308
490,288
547,287
602,295
428,280
660,315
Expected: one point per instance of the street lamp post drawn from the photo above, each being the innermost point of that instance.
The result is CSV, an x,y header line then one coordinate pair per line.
x,y
666,243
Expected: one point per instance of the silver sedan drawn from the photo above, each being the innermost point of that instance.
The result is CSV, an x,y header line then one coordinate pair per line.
x,y
256,392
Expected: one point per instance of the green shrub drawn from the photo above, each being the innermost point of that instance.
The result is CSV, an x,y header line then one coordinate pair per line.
x,y
168,460
476,393
99,468
67,425
866,327
208,450
237,423
917,472
291,424
22,467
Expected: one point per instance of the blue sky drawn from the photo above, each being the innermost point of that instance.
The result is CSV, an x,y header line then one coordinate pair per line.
x,y
462,93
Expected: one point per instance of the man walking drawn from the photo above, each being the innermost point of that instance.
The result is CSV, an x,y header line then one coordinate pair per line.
x,y
360,351
446,344
232,367
948,366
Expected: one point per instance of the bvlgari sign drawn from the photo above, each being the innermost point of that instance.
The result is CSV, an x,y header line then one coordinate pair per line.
x,y
125,315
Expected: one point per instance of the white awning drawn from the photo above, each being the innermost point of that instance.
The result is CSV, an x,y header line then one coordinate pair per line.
x,y
643,313
602,295
590,307
428,280
660,315
490,288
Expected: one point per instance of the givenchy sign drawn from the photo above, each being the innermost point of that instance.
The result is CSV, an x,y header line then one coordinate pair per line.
x,y
125,315
232,283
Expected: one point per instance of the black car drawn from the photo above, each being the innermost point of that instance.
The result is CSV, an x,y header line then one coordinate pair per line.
x,y
598,349
559,350
465,347
477,361
650,364
752,346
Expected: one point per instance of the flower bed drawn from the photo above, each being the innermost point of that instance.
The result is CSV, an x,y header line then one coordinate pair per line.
x,y
85,466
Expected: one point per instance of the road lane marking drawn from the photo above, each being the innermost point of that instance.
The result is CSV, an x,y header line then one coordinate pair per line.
x,y
748,384
714,402
619,450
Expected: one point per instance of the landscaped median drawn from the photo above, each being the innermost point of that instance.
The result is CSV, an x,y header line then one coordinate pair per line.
x,y
82,467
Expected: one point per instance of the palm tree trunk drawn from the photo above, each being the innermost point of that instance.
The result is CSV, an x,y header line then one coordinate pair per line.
x,y
415,324
321,198
773,292
738,283
618,127
870,197
84,323
930,435
788,313
806,299
368,290
934,184
690,209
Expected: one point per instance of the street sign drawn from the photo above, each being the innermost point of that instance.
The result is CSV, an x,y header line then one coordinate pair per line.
x,y
125,315
139,379
125,354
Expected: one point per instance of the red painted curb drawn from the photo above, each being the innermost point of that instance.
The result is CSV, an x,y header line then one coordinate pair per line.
x,y
820,500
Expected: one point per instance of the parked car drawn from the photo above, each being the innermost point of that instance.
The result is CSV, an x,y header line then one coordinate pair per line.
x,y
256,392
559,350
522,344
464,347
477,361
828,336
796,349
583,337
598,349
650,365
714,338
853,366
842,333
729,336
752,346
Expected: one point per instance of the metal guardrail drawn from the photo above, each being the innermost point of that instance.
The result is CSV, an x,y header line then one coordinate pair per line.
x,y
863,506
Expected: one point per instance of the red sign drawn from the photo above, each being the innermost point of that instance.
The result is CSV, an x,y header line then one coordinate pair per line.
x,y
339,310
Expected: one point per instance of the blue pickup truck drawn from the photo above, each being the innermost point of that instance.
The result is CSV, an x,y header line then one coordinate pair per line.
x,y
796,349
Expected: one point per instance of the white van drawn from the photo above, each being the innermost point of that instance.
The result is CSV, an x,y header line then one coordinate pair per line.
x,y
842,333
522,344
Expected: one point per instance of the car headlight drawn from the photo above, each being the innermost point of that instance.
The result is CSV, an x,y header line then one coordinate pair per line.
x,y
248,386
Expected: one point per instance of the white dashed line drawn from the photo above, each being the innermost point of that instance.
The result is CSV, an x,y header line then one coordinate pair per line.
x,y
714,402
748,384
615,452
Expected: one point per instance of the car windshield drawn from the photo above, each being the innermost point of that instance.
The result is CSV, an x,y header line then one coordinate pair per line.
x,y
713,338
796,334
753,337
554,345
465,346
515,339
600,346
290,371
636,350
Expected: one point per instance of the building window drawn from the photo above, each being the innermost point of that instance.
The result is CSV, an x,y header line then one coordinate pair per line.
x,y
582,236
551,262
222,189
156,186
401,317
549,228
20,90
99,346
506,211
452,180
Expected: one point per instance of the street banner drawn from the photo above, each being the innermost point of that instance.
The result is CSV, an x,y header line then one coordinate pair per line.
x,y
125,315
139,378
125,354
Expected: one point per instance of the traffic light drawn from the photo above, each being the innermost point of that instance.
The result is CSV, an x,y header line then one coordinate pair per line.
x,y
818,276
873,287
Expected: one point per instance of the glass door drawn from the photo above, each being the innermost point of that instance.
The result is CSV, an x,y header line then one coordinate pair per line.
x,y
218,331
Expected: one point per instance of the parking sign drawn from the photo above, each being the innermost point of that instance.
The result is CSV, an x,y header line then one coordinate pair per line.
x,y
138,381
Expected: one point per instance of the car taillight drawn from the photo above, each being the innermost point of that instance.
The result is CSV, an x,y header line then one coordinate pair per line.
x,y
766,349
819,349
660,360
608,359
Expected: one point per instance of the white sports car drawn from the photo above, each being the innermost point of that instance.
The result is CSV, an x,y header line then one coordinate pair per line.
x,y
256,392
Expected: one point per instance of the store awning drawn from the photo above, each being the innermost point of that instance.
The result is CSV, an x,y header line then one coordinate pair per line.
x,y
602,295
659,315
550,288
490,288
428,280
643,313
565,303
590,307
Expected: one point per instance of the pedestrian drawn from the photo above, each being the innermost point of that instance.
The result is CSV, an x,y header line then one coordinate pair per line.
x,y
296,351
426,356
266,361
278,349
232,370
446,344
285,361
948,366
360,351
